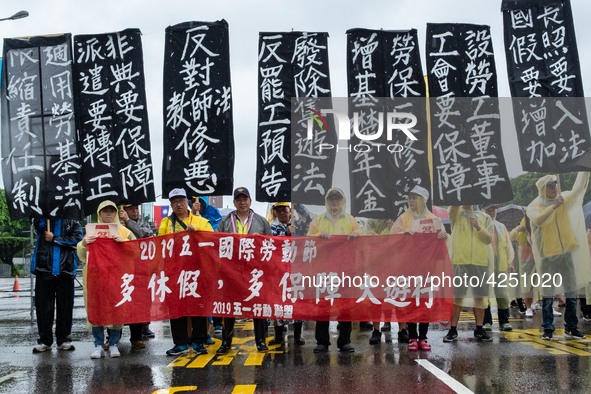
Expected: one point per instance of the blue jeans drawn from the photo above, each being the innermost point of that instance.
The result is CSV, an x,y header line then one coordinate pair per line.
x,y
98,332
570,313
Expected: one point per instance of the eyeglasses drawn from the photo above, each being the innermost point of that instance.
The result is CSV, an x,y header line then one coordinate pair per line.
x,y
179,202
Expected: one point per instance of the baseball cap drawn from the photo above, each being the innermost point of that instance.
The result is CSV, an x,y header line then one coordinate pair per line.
x,y
280,204
335,192
177,193
420,191
551,181
241,190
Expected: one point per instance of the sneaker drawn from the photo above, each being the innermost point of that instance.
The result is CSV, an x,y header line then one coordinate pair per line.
x,y
209,341
482,336
403,336
199,348
529,313
387,327
262,347
505,327
556,313
347,348
487,327
148,333
587,317
320,349
514,304
138,344
217,330
547,335
66,346
536,306
376,337
574,334
452,335
114,351
178,350
98,352
40,348
106,346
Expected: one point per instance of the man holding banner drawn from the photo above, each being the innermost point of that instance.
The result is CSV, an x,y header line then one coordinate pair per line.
x,y
560,248
129,216
472,257
54,264
335,221
182,219
243,221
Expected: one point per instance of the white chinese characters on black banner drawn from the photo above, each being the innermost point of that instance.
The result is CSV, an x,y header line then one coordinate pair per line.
x,y
290,166
385,64
198,125
40,159
468,163
542,61
113,119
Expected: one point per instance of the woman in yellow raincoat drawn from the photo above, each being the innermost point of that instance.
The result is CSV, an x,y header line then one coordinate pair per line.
x,y
107,213
417,210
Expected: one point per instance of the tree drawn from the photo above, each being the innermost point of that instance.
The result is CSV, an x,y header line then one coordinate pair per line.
x,y
525,190
11,239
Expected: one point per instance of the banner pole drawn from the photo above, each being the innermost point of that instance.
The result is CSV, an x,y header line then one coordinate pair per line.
x,y
558,183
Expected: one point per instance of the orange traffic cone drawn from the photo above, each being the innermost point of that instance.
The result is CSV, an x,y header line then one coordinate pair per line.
x,y
16,285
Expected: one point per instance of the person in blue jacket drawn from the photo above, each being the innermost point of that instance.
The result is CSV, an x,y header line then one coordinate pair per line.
x,y
54,263
200,207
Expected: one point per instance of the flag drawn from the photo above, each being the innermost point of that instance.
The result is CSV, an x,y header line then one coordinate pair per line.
x,y
160,212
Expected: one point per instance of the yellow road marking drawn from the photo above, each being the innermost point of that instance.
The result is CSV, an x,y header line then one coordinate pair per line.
x,y
533,337
175,390
244,389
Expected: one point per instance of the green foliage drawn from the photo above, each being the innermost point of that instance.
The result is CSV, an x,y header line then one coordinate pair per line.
x,y
15,228
12,240
9,246
525,190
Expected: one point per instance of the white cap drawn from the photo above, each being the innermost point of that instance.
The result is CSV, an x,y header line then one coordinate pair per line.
x,y
177,193
420,191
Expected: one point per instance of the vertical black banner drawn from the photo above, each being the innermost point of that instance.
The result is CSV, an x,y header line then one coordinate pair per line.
x,y
289,165
408,163
385,164
40,159
113,119
468,163
543,61
198,124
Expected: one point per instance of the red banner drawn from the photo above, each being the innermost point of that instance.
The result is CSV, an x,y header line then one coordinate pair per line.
x,y
371,278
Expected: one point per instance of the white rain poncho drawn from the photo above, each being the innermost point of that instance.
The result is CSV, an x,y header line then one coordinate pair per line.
x,y
559,241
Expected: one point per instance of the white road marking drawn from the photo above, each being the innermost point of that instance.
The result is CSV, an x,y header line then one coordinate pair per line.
x,y
445,378
12,375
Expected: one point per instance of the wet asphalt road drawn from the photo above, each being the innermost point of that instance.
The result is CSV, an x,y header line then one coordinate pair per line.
x,y
519,361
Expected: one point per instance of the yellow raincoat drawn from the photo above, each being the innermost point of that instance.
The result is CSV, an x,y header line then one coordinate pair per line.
x,y
81,250
471,255
335,223
558,232
468,246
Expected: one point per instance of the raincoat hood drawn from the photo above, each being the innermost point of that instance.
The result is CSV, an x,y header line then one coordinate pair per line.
x,y
103,205
341,209
543,182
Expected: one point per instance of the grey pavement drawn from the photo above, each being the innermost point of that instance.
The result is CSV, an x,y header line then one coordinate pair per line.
x,y
517,361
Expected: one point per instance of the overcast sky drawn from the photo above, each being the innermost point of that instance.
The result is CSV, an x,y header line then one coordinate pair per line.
x,y
246,19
